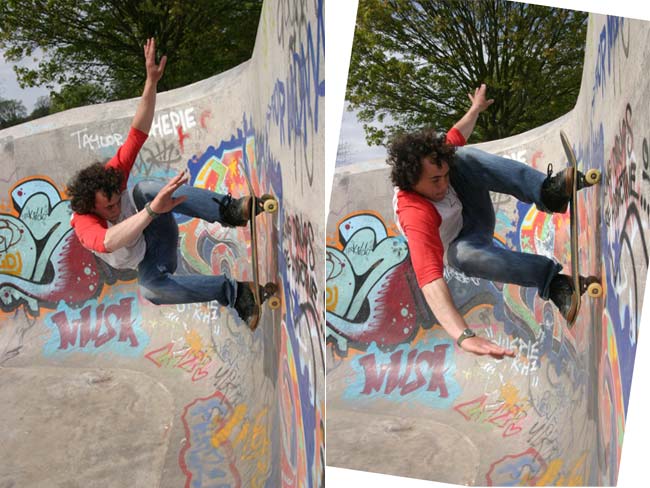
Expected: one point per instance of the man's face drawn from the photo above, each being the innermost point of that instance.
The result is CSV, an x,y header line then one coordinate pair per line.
x,y
107,208
434,180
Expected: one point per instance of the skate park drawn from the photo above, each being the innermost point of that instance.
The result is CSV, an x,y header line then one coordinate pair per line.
x,y
404,400
102,388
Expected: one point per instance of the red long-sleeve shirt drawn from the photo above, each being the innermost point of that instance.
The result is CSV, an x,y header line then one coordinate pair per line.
x,y
420,222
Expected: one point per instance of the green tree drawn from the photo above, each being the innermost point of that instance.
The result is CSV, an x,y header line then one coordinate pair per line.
x,y
415,61
42,107
12,112
94,48
77,94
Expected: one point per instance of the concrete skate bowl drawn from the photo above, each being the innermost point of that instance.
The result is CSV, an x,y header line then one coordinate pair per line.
x,y
102,388
404,400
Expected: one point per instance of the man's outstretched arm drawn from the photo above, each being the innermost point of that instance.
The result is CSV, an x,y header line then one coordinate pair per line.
x,y
479,104
128,230
147,106
438,297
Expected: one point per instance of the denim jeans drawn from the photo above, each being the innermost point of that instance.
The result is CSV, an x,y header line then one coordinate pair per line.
x,y
156,275
474,174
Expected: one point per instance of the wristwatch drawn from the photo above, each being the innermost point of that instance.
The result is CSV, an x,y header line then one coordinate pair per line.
x,y
151,213
467,333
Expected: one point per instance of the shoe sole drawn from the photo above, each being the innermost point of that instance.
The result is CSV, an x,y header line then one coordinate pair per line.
x,y
569,187
573,310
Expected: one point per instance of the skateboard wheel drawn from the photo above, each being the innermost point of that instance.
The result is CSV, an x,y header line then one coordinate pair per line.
x,y
274,303
595,290
271,205
593,176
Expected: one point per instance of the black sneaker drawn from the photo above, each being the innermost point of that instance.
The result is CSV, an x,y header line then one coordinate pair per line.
x,y
556,190
245,303
561,294
235,212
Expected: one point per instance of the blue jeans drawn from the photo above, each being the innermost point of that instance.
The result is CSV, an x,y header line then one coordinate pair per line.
x,y
473,175
156,275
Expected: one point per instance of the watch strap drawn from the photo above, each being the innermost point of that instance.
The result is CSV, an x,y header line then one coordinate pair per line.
x,y
467,333
151,213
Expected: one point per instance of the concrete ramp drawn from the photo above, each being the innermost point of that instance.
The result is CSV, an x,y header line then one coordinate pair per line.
x,y
101,388
555,414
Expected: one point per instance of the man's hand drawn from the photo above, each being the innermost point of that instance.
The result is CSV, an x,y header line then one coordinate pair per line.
x,y
154,71
147,106
164,202
479,101
480,346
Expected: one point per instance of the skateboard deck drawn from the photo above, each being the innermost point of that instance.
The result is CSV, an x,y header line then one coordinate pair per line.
x,y
270,205
590,284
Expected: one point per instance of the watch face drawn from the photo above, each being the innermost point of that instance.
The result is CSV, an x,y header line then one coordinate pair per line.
x,y
469,333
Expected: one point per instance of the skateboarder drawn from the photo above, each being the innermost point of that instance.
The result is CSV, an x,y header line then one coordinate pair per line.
x,y
135,229
443,208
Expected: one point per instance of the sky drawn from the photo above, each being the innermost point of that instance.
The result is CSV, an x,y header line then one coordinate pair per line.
x,y
9,89
352,146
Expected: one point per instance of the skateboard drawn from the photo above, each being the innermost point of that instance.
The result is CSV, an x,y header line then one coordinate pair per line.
x,y
590,284
270,289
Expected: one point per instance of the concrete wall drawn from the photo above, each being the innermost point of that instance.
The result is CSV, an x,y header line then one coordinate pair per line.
x,y
555,414
246,409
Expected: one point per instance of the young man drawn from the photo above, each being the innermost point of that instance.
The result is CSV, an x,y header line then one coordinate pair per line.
x,y
444,210
137,231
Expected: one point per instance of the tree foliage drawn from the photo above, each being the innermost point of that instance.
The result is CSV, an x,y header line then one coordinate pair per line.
x,y
414,62
94,48
42,107
11,112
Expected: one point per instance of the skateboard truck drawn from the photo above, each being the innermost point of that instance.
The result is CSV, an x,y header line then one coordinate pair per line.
x,y
591,285
270,289
590,178
269,203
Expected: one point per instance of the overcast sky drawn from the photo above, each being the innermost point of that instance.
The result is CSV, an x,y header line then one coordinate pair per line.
x,y
352,142
9,89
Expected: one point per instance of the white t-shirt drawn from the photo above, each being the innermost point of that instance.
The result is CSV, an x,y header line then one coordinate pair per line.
x,y
129,256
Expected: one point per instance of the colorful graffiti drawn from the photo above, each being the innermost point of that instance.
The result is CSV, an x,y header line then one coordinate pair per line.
x,y
294,115
507,413
220,437
372,293
626,183
41,259
367,286
529,469
293,461
193,357
113,325
423,374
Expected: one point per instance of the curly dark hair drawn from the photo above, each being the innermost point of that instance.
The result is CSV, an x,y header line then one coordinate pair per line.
x,y
83,186
405,153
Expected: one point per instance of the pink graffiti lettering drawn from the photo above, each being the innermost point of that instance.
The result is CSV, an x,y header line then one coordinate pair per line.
x,y
418,364
502,414
104,330
190,360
